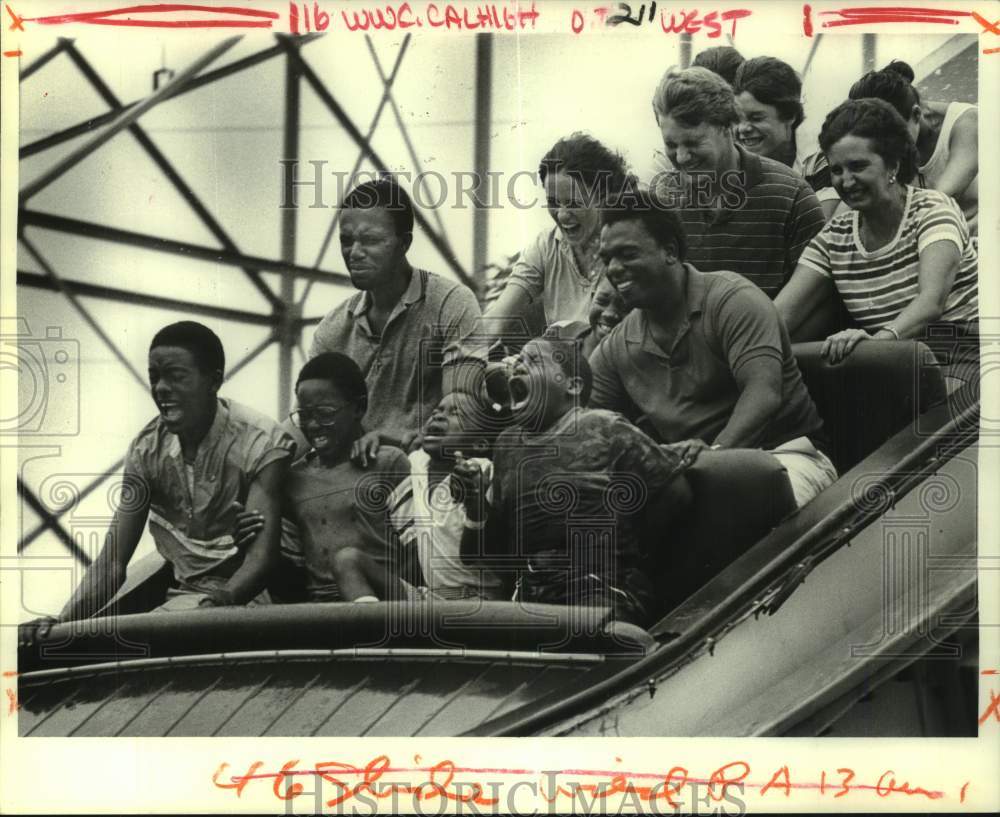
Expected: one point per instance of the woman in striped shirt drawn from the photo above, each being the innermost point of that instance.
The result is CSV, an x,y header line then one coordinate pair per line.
x,y
902,259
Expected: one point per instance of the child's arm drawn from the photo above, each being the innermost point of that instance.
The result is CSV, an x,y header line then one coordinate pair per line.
x,y
263,497
483,536
107,573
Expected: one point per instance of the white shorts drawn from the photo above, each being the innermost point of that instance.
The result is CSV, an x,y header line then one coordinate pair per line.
x,y
809,469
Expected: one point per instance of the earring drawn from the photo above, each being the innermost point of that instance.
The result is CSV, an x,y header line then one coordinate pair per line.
x,y
892,178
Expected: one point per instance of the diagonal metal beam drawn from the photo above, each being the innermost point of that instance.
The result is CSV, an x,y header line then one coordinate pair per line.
x,y
169,171
357,162
249,357
44,59
51,518
83,289
406,137
50,522
82,311
198,82
125,119
812,53
348,124
48,221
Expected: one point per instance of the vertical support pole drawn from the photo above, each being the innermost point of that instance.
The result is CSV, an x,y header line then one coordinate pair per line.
x,y
484,105
288,324
685,55
867,53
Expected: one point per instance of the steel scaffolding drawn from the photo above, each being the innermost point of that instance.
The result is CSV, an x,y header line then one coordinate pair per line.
x,y
285,317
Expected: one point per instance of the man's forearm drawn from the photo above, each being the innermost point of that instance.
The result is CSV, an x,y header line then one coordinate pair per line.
x,y
750,419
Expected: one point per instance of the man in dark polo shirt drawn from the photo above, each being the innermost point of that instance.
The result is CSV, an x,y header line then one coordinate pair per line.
x,y
741,212
405,325
704,356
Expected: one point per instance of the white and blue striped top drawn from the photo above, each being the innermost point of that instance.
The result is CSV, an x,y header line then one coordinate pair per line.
x,y
877,285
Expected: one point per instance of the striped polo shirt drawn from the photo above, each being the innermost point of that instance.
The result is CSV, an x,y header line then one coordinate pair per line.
x,y
877,285
769,216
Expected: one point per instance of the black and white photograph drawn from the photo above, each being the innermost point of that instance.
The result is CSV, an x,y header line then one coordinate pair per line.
x,y
533,370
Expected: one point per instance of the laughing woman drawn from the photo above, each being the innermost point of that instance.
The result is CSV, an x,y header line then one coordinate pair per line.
x,y
769,96
902,259
558,270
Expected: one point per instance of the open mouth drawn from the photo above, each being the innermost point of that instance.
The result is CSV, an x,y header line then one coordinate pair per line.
x,y
319,440
170,412
435,433
751,141
601,328
520,391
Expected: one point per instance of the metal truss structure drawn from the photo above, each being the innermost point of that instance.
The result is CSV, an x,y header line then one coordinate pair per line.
x,y
285,318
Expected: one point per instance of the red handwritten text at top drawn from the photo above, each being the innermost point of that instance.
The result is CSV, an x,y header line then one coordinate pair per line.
x,y
671,21
305,17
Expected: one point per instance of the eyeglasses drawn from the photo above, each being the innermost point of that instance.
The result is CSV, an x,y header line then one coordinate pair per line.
x,y
321,415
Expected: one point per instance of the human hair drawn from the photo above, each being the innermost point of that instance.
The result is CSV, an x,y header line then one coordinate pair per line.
x,y
203,344
877,121
388,194
695,95
594,166
341,371
772,82
720,59
572,362
661,222
893,84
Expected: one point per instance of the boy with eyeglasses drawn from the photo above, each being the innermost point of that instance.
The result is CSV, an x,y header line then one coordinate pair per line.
x,y
337,506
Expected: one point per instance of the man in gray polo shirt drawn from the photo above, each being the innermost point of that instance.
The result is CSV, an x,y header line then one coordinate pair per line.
x,y
704,356
405,325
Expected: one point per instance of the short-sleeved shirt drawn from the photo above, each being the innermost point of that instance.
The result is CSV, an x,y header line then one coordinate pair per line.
x,y
192,523
576,490
547,270
877,285
403,365
343,506
691,391
762,238
430,520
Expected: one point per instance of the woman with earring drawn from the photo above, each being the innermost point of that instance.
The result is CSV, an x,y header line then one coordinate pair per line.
x,y
901,259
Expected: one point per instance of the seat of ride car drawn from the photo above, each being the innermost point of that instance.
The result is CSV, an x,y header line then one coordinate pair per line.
x,y
741,494
738,496
870,395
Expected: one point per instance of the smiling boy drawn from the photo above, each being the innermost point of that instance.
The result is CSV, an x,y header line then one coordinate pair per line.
x,y
187,471
338,506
